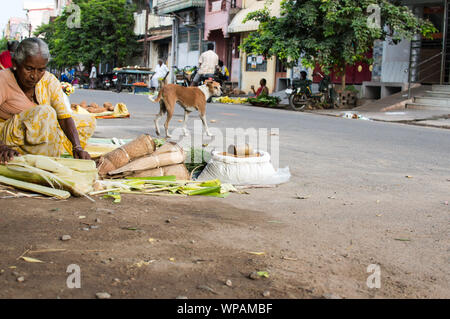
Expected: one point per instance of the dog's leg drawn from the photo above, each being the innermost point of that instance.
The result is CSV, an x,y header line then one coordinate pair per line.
x,y
158,116
205,124
166,125
186,117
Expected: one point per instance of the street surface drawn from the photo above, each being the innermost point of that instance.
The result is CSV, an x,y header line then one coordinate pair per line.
x,y
361,193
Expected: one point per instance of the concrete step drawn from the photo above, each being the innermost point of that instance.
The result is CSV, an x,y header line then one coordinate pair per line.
x,y
437,94
422,106
433,101
441,88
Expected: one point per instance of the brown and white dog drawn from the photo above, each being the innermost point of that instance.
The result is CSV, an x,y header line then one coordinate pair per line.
x,y
189,98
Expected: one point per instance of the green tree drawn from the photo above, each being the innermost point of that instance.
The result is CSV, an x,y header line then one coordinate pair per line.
x,y
106,33
331,33
3,44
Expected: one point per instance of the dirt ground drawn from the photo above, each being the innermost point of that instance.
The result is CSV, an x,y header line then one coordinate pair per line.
x,y
160,247
143,248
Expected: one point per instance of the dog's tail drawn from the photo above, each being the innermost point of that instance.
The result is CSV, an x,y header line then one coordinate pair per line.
x,y
158,98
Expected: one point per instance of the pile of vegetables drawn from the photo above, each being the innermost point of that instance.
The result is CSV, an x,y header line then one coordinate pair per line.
x,y
264,100
229,100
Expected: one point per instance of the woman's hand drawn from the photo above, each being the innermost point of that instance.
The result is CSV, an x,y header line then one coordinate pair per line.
x,y
7,154
79,153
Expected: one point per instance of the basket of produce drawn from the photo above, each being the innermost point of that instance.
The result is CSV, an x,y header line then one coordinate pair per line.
x,y
140,84
264,100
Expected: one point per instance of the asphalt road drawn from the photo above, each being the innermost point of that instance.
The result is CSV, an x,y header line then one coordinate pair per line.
x,y
377,193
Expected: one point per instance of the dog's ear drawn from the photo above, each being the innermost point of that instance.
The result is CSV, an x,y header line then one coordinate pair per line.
x,y
209,83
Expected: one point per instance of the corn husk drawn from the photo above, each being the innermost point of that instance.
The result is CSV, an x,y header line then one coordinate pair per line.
x,y
73,175
36,188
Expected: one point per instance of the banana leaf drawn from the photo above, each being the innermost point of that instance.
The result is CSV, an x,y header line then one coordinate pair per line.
x,y
205,191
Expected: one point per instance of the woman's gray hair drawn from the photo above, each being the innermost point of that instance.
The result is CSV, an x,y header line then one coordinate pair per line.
x,y
31,47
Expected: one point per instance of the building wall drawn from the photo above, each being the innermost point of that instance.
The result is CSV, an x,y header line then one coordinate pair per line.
x,y
189,49
249,78
220,44
154,55
216,19
395,63
39,13
17,29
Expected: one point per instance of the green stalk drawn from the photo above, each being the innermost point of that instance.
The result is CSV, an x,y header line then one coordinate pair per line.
x,y
52,192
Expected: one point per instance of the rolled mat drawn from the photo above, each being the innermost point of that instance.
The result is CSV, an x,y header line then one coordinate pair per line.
x,y
178,170
141,146
151,162
168,147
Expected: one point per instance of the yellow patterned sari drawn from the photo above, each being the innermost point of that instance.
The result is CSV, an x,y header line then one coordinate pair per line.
x,y
36,130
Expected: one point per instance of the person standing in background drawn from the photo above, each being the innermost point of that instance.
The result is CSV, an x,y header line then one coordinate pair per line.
x,y
161,71
6,56
93,76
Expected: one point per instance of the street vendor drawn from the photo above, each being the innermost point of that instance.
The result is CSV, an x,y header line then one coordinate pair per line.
x,y
33,115
161,71
262,90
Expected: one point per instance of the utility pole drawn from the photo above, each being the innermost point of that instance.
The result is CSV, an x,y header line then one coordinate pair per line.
x,y
444,43
147,11
174,45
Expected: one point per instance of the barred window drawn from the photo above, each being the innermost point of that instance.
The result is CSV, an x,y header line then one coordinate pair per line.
x,y
183,37
194,39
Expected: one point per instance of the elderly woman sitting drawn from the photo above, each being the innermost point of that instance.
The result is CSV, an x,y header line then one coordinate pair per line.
x,y
33,115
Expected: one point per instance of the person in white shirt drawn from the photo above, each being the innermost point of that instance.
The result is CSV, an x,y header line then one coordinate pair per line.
x,y
93,76
207,64
161,71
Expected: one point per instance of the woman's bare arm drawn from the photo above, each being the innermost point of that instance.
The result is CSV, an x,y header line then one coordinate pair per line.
x,y
70,130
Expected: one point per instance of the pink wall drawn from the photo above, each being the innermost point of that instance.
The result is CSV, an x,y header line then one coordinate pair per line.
x,y
221,48
218,20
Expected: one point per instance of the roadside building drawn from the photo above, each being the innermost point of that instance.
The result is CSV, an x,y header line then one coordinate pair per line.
x,y
422,61
254,68
218,15
159,34
187,29
60,5
38,13
17,29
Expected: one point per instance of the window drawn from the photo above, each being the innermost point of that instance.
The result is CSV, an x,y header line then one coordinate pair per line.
x,y
216,5
280,67
256,63
183,37
194,39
